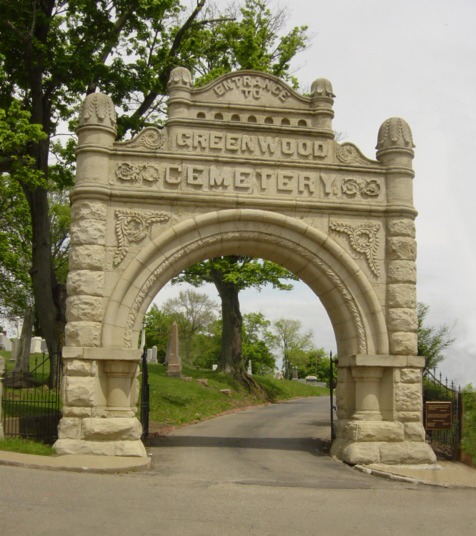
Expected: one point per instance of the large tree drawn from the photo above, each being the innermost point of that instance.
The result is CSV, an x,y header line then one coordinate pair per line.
x,y
53,52
231,275
292,342
194,312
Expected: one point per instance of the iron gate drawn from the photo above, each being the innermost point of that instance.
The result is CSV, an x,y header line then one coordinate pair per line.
x,y
31,403
445,441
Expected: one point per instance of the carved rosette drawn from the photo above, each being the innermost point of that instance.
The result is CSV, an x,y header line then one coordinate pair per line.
x,y
363,239
151,138
395,133
180,77
97,109
353,186
134,226
132,172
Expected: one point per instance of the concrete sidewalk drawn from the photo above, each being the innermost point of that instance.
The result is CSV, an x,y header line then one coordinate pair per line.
x,y
77,463
446,474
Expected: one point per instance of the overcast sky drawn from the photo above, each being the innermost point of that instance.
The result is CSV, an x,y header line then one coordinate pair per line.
x,y
414,59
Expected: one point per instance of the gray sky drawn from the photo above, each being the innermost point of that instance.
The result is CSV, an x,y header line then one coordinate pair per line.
x,y
414,59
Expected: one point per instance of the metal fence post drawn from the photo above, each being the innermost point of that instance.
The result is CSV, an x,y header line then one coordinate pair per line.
x,y
2,369
144,399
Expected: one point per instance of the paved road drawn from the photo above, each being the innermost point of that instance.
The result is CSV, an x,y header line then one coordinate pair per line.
x,y
259,472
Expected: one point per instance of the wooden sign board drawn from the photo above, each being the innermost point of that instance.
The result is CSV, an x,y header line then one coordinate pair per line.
x,y
437,415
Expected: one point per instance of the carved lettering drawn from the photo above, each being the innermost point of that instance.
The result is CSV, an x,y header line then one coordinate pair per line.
x,y
252,87
251,145
269,180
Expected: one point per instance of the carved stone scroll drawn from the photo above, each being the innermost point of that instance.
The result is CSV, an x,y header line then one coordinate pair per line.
x,y
364,240
133,226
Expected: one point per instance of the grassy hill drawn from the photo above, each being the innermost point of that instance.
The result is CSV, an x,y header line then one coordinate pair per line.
x,y
200,394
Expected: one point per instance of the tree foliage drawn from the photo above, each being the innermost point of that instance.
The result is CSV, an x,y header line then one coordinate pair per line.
x,y
54,52
292,343
432,340
194,312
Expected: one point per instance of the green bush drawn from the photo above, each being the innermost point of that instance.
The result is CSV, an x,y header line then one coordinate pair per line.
x,y
469,421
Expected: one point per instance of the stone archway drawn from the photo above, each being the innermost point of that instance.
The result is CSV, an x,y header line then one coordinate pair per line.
x,y
244,166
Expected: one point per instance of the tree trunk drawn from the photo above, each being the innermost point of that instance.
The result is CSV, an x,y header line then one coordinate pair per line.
x,y
232,324
22,363
49,296
231,355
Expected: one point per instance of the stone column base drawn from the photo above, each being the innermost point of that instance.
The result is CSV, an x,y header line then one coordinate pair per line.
x,y
100,448
391,453
103,436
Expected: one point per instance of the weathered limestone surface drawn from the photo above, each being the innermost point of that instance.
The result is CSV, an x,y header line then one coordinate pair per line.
x,y
244,165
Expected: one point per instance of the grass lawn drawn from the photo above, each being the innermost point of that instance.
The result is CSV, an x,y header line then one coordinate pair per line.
x,y
26,446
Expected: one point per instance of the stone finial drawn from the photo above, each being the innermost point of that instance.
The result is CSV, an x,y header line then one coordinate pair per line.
x,y
322,88
395,134
97,109
180,76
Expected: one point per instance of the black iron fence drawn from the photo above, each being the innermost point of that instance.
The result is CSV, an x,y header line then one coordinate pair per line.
x,y
31,402
144,396
442,415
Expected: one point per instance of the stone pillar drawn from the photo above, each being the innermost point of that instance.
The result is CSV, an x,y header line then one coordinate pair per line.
x,y
367,393
179,86
385,426
100,397
2,370
322,102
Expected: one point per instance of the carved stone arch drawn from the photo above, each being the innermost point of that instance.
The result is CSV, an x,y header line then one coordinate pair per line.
x,y
278,187
331,273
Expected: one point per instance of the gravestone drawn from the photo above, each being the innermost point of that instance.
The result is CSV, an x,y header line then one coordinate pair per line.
x,y
174,363
250,370
149,355
153,355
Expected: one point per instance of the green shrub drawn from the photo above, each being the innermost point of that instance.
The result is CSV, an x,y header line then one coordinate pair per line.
x,y
469,421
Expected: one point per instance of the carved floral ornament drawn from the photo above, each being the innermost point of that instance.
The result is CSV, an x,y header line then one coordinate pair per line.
x,y
97,109
365,187
134,226
151,138
364,240
126,171
348,153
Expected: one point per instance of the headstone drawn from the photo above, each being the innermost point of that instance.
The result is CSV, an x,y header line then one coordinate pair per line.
x,y
44,347
174,363
214,367
295,373
35,345
149,355
153,356
15,346
278,375
250,370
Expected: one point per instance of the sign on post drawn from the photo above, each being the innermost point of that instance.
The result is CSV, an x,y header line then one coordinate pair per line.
x,y
438,415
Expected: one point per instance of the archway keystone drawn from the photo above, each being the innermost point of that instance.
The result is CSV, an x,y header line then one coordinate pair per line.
x,y
244,165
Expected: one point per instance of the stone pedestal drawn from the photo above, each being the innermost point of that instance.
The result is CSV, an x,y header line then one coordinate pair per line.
x,y
100,397
382,422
